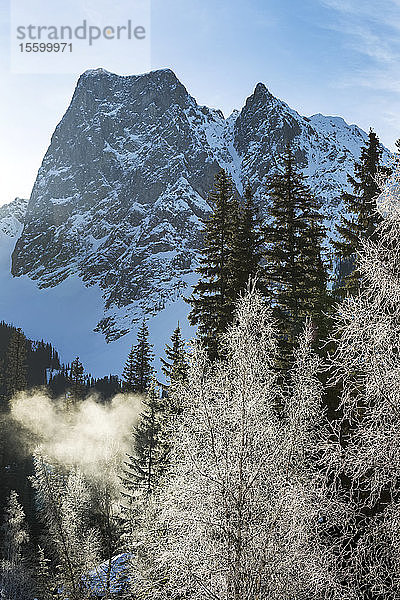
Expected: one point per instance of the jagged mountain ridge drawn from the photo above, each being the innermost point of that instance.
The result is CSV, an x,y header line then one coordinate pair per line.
x,y
123,187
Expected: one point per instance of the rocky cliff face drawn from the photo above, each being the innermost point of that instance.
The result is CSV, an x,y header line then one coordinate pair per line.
x,y
123,187
12,217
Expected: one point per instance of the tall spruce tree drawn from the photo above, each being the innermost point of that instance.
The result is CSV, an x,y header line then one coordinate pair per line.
x,y
210,301
363,217
150,448
129,372
245,247
175,367
144,469
138,368
295,272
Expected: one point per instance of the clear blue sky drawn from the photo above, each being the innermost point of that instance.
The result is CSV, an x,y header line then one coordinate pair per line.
x,y
337,57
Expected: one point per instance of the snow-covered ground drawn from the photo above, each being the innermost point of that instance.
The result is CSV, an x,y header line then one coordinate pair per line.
x,y
65,315
97,579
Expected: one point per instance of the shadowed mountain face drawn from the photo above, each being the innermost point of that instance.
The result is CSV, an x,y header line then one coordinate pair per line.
x,y
123,187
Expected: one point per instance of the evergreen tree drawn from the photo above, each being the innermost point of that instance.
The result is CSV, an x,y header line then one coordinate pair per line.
x,y
175,368
138,369
245,251
316,300
129,372
295,272
150,448
363,217
211,301
144,470
77,386
15,367
106,387
39,356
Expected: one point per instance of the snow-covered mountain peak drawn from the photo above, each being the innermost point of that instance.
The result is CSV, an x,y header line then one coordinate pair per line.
x,y
106,83
261,92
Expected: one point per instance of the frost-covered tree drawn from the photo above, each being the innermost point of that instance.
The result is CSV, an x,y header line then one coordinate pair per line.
x,y
44,579
106,512
367,367
15,580
63,502
244,513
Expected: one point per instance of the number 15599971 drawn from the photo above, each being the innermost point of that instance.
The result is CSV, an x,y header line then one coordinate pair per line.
x,y
45,47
